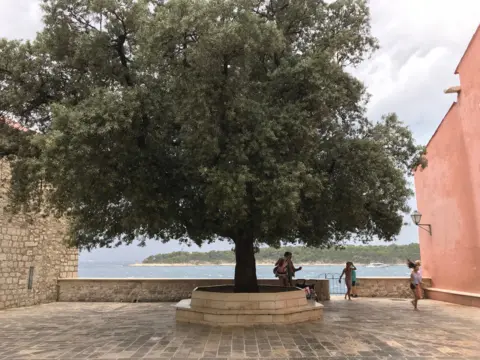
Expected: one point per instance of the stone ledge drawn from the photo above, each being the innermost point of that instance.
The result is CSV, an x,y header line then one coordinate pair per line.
x,y
236,297
383,278
208,280
250,305
151,289
185,313
454,292
141,279
453,296
244,311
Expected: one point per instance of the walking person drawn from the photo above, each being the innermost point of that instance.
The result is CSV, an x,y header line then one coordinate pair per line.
x,y
348,279
291,270
415,282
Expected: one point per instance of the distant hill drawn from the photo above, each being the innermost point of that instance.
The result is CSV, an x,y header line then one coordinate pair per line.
x,y
392,254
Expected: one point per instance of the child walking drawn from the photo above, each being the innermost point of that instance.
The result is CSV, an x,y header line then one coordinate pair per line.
x,y
415,282
348,278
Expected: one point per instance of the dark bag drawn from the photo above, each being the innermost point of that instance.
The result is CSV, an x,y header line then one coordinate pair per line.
x,y
412,286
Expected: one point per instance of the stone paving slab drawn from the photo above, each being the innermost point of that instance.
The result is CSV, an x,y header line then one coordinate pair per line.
x,y
362,329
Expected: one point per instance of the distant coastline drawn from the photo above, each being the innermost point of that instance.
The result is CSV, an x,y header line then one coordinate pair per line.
x,y
305,256
232,264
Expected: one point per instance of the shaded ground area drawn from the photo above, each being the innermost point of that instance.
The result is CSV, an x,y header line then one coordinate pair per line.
x,y
358,329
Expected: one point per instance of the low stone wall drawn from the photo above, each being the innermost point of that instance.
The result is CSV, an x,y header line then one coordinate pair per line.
x,y
172,290
391,287
151,290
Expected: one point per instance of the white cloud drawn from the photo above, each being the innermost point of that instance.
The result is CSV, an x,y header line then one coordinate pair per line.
x,y
20,19
421,42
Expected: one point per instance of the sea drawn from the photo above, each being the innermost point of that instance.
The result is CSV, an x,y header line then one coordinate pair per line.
x,y
93,269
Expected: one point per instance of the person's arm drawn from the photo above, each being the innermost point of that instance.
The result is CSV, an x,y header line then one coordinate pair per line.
x,y
353,267
294,270
340,280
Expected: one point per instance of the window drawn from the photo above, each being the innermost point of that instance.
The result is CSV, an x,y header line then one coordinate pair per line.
x,y
30,278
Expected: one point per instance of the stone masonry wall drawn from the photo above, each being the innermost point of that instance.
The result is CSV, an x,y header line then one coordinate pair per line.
x,y
387,287
27,242
150,290
158,290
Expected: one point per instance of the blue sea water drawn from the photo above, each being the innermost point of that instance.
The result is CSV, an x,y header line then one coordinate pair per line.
x,y
122,270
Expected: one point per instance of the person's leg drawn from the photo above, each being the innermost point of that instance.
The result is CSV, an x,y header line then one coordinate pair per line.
x,y
419,292
417,295
354,289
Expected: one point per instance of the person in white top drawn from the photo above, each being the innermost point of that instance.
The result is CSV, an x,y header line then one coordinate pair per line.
x,y
415,282
419,264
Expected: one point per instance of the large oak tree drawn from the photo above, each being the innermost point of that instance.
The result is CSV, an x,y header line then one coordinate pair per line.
x,y
205,119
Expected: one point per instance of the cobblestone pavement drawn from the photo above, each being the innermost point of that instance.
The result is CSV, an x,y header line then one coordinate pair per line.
x,y
358,329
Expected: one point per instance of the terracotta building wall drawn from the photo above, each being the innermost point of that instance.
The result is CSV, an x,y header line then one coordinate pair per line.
x,y
24,243
469,110
444,197
448,190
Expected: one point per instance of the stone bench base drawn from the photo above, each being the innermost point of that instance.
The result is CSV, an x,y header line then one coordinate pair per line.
x,y
228,317
452,296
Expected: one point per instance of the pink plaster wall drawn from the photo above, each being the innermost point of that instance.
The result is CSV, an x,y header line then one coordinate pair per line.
x,y
469,110
448,190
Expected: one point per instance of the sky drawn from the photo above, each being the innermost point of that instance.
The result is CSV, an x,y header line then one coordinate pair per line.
x,y
421,42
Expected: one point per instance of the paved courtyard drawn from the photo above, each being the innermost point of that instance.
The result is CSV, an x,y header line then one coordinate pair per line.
x,y
359,329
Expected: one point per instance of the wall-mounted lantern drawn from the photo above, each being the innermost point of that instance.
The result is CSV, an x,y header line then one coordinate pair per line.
x,y
416,218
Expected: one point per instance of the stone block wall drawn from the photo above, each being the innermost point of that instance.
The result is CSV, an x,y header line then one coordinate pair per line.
x,y
150,290
172,290
392,287
31,245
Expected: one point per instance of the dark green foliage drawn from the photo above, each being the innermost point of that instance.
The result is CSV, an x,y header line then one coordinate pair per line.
x,y
392,254
206,119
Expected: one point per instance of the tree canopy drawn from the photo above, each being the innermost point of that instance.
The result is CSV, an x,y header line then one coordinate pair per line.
x,y
207,119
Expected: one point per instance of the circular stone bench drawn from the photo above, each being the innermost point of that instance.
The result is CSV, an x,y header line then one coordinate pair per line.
x,y
218,305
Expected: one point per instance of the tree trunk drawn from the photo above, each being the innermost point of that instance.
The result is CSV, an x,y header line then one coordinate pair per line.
x,y
245,268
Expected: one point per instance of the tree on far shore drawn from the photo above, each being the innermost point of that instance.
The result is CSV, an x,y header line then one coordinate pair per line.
x,y
198,120
360,254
